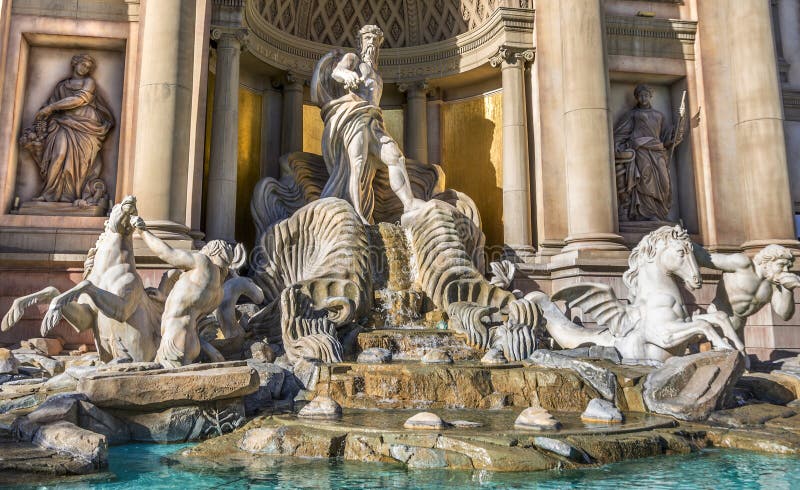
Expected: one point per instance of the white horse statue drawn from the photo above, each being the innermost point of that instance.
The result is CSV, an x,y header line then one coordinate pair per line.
x,y
656,324
111,300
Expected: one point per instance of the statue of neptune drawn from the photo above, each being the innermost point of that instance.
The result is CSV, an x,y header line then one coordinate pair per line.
x,y
348,88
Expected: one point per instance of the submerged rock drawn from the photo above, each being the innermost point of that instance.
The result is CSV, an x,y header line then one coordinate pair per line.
x,y
375,355
437,356
601,411
536,418
66,437
691,387
321,407
8,363
562,448
465,424
425,421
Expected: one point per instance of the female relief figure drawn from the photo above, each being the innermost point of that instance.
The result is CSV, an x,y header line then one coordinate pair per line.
x,y
642,140
66,138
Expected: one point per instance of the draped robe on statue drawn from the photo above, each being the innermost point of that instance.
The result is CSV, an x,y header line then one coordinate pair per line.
x,y
644,185
74,138
346,115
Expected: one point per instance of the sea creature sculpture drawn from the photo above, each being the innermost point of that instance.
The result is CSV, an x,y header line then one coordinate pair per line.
x,y
656,324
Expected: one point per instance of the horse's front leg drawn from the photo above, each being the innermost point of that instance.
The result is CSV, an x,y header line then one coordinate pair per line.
x,y
723,321
679,332
111,305
21,304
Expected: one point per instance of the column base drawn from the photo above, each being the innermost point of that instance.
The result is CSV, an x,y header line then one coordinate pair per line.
x,y
594,241
548,248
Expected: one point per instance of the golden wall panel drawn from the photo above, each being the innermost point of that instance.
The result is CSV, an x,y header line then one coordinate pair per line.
x,y
472,156
248,166
248,169
312,129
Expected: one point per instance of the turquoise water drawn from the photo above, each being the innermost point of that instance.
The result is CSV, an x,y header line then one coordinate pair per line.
x,y
140,466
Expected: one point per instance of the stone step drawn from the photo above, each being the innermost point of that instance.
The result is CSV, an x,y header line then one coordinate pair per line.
x,y
408,344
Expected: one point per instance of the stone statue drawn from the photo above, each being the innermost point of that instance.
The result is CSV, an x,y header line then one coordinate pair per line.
x,y
642,140
656,325
747,285
111,300
66,138
198,291
348,89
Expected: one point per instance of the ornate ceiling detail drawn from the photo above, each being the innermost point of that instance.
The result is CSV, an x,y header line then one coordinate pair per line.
x,y
405,23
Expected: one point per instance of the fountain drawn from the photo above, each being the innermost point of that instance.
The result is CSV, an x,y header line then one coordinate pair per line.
x,y
366,302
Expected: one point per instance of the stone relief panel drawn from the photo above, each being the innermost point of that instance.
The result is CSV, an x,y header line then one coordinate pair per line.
x,y
665,100
68,141
404,22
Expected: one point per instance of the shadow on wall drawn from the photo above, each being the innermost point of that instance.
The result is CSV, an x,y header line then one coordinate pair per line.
x,y
471,139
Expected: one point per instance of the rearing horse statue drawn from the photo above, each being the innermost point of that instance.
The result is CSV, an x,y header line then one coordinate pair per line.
x,y
656,324
111,300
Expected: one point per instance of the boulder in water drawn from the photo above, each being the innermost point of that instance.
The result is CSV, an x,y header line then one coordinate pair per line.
x,y
425,421
602,411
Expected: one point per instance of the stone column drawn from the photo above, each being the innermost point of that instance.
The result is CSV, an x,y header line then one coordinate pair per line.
x,y
547,110
161,168
224,157
516,174
760,139
416,120
588,152
271,115
292,131
434,128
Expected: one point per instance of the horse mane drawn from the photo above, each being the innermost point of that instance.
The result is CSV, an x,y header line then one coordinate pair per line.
x,y
645,251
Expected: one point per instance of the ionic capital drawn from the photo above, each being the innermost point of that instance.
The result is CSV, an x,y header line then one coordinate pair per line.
x,y
511,56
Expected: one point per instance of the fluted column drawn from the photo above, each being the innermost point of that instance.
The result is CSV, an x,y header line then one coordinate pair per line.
x,y
416,120
221,201
760,139
160,172
516,174
588,152
292,131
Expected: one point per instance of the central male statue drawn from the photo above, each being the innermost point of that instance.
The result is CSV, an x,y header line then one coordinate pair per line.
x,y
348,89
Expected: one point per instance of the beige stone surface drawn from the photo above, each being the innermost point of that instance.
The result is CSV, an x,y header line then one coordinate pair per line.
x,y
156,389
68,438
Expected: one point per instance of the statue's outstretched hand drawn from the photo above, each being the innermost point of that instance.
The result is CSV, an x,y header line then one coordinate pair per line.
x,y
351,80
138,223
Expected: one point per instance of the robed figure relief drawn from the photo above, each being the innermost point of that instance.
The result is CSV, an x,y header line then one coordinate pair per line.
x,y
643,144
66,137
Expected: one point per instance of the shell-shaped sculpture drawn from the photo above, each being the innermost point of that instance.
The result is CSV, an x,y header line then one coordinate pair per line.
x,y
325,241
308,333
445,270
468,318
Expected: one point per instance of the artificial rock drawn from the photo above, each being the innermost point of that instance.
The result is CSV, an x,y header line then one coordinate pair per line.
x,y
602,411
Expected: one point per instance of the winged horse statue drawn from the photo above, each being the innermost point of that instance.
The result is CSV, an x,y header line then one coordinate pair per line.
x,y
655,325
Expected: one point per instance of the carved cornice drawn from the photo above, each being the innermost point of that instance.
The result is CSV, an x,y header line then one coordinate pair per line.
x,y
418,87
650,37
511,56
791,104
239,35
511,27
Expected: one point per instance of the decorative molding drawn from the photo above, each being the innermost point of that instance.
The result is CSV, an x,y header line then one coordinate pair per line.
x,y
791,104
113,10
650,37
511,56
241,35
420,86
511,27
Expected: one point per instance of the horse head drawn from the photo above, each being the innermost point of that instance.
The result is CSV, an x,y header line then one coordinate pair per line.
x,y
670,250
119,221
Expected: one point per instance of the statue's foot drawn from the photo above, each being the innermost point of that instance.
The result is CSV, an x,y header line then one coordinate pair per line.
x,y
19,306
38,199
412,211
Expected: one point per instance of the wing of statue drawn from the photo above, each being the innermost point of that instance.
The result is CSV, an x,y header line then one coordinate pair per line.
x,y
323,87
600,301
